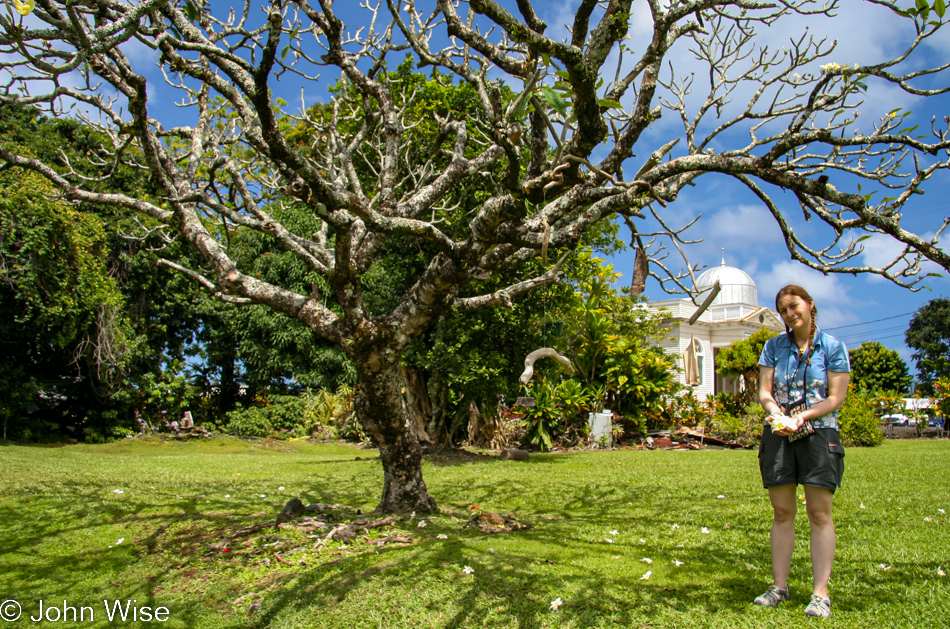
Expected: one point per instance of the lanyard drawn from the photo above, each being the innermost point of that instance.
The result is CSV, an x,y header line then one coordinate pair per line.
x,y
802,358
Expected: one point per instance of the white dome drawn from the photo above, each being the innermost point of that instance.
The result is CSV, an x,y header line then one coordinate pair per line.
x,y
737,286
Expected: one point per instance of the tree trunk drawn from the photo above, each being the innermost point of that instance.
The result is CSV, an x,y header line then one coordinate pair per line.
x,y
379,405
417,402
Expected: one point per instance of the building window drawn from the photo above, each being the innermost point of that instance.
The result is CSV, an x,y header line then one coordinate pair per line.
x,y
700,360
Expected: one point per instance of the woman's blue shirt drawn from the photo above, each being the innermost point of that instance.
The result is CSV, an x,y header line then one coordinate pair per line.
x,y
791,371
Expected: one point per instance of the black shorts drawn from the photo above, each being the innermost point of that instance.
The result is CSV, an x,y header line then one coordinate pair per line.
x,y
816,460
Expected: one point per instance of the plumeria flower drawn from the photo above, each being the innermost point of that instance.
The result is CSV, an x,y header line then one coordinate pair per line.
x,y
883,567
941,510
750,567
676,526
646,577
280,489
556,603
616,556
263,495
117,491
608,540
705,531
491,550
681,546
422,524
119,541
928,520
468,570
643,541
227,495
412,516
720,496
614,532
940,572
342,545
24,7
862,506
677,563
646,560
442,536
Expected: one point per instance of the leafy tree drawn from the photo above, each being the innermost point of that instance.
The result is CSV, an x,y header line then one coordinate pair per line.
x,y
741,358
929,335
876,368
62,332
510,177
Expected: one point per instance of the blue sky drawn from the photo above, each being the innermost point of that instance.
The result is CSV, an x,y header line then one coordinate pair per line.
x,y
734,223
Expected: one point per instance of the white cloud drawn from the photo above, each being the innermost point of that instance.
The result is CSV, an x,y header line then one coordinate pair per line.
x,y
742,225
881,250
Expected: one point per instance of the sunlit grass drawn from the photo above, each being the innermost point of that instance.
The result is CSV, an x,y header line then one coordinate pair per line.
x,y
62,514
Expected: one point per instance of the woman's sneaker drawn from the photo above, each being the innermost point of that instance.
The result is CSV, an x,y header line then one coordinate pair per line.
x,y
819,607
772,597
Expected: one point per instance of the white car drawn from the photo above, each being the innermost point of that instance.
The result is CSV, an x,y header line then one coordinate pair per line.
x,y
897,419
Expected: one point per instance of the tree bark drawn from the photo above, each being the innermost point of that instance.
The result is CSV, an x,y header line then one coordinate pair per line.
x,y
379,406
417,402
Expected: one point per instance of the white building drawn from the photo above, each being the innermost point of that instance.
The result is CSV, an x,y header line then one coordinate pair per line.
x,y
734,314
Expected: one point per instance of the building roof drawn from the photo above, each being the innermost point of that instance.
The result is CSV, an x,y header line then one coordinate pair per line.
x,y
737,286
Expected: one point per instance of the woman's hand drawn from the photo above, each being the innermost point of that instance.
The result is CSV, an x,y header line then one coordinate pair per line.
x,y
784,426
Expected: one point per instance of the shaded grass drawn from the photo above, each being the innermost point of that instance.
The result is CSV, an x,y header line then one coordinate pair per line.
x,y
59,515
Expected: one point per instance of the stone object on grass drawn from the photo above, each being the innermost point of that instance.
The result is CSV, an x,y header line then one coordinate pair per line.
x,y
514,455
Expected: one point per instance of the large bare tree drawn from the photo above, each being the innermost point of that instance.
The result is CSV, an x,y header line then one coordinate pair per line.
x,y
552,141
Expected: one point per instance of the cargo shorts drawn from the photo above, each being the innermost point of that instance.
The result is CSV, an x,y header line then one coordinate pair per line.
x,y
816,460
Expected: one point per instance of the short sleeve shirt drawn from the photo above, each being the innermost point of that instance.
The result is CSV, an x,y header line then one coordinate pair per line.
x,y
795,378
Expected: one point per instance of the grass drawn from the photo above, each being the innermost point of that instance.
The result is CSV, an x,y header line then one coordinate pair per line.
x,y
61,519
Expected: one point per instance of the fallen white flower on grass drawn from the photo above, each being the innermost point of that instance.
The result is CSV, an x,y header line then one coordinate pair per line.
x,y
342,546
280,489
422,524
705,531
263,496
941,510
647,576
928,520
646,560
119,541
862,506
677,563
883,567
643,541
117,491
442,536
556,603
720,496
468,570
608,540
616,556
940,572
491,550
227,495
750,566
681,546
614,532
676,526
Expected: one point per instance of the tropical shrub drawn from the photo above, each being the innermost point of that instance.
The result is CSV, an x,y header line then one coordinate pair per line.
x,y
858,423
279,415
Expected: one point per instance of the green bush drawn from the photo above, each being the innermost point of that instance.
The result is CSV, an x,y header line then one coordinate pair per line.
x,y
281,415
857,421
744,427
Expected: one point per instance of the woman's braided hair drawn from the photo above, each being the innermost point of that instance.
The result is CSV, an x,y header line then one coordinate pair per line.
x,y
798,291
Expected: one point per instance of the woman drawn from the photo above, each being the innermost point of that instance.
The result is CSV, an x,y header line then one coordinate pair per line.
x,y
803,376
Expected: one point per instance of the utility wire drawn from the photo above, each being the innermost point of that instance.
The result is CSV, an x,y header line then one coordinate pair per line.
x,y
854,325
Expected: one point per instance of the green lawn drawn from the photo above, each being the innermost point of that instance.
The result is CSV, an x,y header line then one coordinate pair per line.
x,y
61,518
